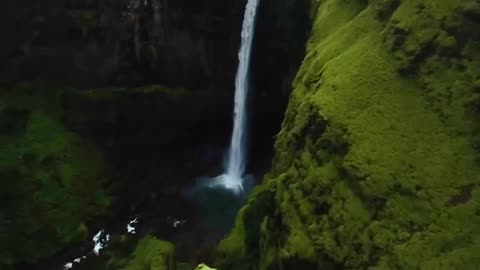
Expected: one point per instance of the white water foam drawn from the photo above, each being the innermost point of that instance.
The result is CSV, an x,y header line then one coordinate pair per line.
x,y
131,226
99,244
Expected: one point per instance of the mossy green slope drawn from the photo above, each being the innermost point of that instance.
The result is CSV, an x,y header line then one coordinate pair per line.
x,y
52,180
152,254
149,252
377,164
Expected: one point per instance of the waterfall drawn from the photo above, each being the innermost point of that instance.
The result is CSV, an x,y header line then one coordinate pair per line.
x,y
236,160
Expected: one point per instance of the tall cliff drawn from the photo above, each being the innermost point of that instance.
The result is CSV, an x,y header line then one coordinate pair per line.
x,y
377,165
108,108
122,42
178,43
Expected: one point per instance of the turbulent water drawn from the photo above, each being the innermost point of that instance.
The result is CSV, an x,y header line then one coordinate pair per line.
x,y
236,161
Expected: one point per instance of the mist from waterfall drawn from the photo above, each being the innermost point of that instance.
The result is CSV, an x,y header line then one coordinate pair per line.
x,y
236,161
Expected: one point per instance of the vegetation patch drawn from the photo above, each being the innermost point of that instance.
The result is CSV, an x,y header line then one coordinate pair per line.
x,y
53,181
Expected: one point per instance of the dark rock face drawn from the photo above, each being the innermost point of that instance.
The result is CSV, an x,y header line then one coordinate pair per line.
x,y
133,42
186,44
156,137
105,42
281,33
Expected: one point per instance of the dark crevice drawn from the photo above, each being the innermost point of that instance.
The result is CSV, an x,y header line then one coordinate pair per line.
x,y
385,8
463,197
411,69
279,48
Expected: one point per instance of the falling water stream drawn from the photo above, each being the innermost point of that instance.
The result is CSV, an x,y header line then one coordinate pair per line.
x,y
236,161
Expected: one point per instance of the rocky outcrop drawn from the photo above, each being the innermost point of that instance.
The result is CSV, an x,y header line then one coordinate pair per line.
x,y
377,163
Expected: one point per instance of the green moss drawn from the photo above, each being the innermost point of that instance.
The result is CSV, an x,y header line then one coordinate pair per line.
x,y
203,266
53,179
375,165
241,247
152,254
126,252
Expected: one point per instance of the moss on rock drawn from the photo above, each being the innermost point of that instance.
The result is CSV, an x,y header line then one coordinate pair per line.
x,y
240,247
127,252
152,254
376,165
203,266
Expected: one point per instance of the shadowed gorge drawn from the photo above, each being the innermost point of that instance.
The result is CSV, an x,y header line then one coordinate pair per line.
x,y
363,127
